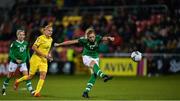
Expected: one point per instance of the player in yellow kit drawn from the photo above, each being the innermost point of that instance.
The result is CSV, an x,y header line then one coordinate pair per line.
x,y
39,59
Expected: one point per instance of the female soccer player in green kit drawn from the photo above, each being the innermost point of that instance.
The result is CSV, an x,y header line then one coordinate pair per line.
x,y
90,55
19,53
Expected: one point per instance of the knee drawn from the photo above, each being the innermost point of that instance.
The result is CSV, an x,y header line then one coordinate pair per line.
x,y
42,76
25,73
92,64
29,76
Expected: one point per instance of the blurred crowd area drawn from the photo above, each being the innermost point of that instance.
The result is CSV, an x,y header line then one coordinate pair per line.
x,y
150,26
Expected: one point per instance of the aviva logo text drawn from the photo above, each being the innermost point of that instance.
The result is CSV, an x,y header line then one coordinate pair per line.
x,y
119,66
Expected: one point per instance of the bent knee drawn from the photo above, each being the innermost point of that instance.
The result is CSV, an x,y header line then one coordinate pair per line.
x,y
30,76
42,75
92,63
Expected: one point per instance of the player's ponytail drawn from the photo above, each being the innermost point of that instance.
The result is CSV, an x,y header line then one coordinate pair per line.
x,y
89,31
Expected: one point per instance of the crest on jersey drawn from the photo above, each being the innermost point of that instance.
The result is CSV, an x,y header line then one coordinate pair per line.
x,y
21,49
92,46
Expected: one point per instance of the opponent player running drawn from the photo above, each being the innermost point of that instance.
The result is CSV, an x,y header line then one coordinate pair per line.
x,y
39,59
19,53
90,56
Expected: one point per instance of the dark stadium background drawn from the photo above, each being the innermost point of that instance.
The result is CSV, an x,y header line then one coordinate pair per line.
x,y
149,26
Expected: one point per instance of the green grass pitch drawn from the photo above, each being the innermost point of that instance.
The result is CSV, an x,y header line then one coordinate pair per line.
x,y
64,87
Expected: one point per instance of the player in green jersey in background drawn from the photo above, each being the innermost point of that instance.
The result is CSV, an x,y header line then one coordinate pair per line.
x,y
90,56
18,54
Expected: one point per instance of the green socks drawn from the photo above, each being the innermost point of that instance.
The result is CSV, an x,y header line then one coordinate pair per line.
x,y
29,85
5,83
91,82
98,72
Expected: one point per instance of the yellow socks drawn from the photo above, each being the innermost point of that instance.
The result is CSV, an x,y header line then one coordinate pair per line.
x,y
39,85
22,79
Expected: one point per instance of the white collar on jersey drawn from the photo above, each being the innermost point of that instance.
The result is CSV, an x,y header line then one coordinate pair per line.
x,y
20,41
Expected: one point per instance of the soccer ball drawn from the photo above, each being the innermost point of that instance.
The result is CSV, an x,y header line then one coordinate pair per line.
x,y
136,56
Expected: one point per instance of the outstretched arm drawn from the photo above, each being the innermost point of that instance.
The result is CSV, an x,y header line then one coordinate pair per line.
x,y
70,42
108,38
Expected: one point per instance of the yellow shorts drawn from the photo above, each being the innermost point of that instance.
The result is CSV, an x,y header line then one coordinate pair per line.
x,y
37,63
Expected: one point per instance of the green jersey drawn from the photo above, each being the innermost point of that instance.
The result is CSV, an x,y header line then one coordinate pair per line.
x,y
90,48
19,50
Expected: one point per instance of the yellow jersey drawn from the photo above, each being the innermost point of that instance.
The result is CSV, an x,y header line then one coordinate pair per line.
x,y
43,44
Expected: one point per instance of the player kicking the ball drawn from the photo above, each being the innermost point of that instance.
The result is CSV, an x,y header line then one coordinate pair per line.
x,y
90,56
18,54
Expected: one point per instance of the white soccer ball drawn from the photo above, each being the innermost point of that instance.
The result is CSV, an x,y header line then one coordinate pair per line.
x,y
136,56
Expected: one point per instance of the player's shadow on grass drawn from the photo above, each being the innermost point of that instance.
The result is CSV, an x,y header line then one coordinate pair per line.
x,y
50,96
66,97
90,98
59,97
